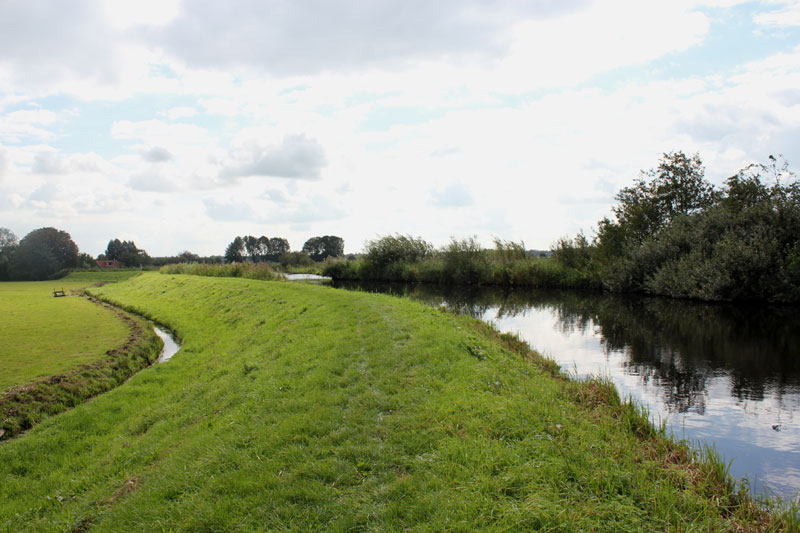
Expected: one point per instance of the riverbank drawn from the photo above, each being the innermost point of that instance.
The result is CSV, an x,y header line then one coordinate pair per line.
x,y
731,379
302,407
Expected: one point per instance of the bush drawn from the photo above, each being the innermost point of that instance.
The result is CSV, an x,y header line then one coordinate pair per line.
x,y
740,242
342,269
465,262
396,249
295,259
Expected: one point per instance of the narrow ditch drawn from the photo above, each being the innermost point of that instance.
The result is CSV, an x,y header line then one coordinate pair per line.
x,y
171,346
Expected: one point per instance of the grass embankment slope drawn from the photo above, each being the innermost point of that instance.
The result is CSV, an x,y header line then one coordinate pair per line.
x,y
303,407
57,352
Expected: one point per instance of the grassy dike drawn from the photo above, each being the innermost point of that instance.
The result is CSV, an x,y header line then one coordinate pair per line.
x,y
299,407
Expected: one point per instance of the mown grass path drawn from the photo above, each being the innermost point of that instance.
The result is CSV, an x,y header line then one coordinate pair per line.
x,y
298,407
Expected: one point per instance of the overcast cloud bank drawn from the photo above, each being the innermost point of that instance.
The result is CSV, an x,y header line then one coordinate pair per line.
x,y
181,124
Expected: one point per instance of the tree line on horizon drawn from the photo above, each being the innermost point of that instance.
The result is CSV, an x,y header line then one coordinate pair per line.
x,y
277,249
49,253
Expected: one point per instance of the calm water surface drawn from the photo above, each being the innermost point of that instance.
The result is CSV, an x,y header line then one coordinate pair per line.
x,y
717,374
170,348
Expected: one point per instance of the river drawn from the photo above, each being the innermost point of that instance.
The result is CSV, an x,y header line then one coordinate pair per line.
x,y
721,375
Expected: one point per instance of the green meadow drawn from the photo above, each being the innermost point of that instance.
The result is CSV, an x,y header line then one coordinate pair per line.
x,y
301,407
41,335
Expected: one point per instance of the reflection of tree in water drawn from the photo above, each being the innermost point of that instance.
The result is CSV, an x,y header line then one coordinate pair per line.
x,y
683,388
678,345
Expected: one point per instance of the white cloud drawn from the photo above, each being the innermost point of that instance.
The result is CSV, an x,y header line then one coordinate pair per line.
x,y
290,38
45,194
157,132
152,181
111,204
786,17
51,162
156,154
44,43
603,37
122,14
27,124
455,194
176,113
230,210
279,196
315,207
221,106
3,162
48,163
295,156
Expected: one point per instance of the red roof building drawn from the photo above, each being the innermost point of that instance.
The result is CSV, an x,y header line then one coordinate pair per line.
x,y
113,263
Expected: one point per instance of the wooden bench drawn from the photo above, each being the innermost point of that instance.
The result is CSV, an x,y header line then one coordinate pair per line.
x,y
56,293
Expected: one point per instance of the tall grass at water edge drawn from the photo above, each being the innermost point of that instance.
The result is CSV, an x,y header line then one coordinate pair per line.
x,y
544,272
260,271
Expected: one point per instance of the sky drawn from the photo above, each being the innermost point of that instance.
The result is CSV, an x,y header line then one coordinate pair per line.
x,y
182,124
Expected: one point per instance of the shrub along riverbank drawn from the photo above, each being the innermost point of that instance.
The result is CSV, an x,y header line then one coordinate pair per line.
x,y
462,262
302,407
673,234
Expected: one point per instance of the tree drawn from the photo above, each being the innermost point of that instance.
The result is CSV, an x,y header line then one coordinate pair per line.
x,y
251,246
263,248
188,257
676,187
126,253
277,247
42,253
7,239
234,253
676,235
8,245
86,261
318,248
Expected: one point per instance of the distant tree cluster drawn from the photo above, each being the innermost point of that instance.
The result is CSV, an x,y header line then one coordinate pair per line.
x,y
40,255
186,257
256,249
126,253
277,249
320,248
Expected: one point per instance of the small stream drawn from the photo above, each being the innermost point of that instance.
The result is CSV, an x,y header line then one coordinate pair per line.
x,y
170,348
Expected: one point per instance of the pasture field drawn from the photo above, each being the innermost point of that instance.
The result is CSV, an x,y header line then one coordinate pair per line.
x,y
41,335
300,407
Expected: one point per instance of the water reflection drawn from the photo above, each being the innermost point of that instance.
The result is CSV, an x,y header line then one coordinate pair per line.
x,y
718,373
